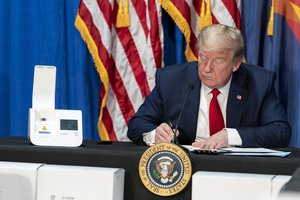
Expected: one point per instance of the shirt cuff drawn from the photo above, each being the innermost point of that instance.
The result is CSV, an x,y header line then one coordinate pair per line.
x,y
234,138
149,138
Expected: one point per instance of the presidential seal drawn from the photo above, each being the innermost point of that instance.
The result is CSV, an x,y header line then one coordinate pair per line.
x,y
165,169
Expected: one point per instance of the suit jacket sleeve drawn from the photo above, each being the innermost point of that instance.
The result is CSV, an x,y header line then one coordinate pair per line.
x,y
148,117
173,84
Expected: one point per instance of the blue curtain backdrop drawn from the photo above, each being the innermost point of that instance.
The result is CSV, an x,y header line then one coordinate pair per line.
x,y
39,32
279,53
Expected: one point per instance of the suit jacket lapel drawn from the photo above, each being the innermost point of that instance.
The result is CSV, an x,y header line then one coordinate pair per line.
x,y
236,98
194,105
190,115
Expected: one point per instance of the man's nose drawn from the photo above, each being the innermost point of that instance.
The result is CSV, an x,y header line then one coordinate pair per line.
x,y
208,66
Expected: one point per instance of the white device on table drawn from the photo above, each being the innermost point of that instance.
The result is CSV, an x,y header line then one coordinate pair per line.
x,y
60,182
18,180
49,126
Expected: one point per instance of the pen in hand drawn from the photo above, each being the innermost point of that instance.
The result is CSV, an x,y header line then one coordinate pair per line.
x,y
174,140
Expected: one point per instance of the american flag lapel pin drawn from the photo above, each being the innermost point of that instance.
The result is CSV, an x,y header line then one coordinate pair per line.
x,y
239,97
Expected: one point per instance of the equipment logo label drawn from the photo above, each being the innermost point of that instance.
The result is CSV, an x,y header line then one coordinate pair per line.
x,y
165,169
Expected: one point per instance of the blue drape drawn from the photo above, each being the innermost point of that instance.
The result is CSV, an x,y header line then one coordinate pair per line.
x,y
39,32
279,53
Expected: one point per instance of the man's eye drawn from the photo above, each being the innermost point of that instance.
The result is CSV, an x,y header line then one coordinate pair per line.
x,y
219,61
203,58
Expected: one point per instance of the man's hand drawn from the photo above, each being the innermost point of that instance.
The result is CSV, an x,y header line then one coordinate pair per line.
x,y
218,140
164,133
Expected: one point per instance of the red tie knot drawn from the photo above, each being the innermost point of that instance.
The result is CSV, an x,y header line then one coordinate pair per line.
x,y
215,92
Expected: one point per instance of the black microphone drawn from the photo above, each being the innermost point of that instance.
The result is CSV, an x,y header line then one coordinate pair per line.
x,y
190,88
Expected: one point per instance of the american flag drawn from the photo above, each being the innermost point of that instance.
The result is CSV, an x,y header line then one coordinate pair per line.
x,y
126,58
186,14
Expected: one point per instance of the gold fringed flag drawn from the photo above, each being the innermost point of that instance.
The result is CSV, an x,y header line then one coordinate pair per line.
x,y
126,58
187,15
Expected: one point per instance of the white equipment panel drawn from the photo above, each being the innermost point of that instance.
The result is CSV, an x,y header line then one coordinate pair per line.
x,y
18,180
236,186
81,183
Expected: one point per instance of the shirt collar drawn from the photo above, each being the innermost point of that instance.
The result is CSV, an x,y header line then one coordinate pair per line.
x,y
224,90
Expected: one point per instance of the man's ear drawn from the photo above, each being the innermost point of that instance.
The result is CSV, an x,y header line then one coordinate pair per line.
x,y
236,65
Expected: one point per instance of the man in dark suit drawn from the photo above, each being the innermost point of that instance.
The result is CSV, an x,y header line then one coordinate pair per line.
x,y
215,102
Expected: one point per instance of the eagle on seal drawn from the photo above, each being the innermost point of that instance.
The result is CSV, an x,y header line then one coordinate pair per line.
x,y
165,167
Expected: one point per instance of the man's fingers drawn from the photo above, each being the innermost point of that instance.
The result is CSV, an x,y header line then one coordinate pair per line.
x,y
163,133
206,144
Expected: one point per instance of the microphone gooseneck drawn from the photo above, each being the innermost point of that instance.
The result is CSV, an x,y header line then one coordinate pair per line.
x,y
190,88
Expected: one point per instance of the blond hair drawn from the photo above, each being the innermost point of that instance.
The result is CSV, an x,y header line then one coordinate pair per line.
x,y
218,37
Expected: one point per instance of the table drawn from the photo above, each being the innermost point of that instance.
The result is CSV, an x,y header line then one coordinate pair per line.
x,y
126,155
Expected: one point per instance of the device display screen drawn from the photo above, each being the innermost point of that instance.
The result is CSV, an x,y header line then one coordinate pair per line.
x,y
68,124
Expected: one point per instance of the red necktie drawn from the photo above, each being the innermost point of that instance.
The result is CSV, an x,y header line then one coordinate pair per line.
x,y
216,121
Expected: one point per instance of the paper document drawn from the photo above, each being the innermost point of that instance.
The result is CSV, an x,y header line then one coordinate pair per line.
x,y
190,147
234,151
253,152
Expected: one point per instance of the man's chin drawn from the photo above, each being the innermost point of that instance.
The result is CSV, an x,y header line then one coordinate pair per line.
x,y
209,83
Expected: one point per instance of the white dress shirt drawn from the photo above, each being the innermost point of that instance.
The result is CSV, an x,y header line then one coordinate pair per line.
x,y
203,114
